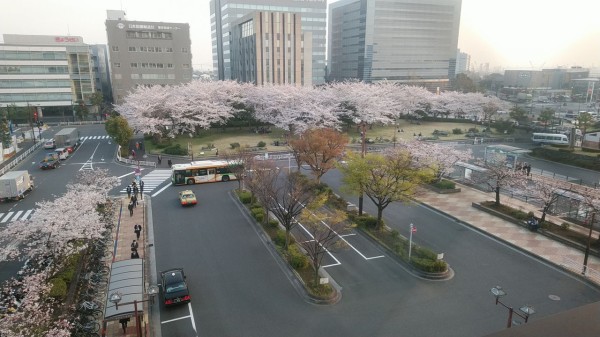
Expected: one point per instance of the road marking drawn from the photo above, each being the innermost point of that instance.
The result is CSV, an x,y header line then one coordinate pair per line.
x,y
162,189
16,217
175,319
125,175
192,318
26,214
351,234
7,217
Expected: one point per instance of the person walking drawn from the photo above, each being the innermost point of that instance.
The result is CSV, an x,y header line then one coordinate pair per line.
x,y
128,189
135,255
134,245
130,208
135,191
169,162
137,229
123,322
134,201
159,159
141,189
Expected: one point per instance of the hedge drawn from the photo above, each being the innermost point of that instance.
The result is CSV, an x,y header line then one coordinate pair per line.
x,y
296,259
59,288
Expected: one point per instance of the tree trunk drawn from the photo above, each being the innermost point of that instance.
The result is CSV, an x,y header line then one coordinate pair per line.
x,y
379,217
497,195
287,238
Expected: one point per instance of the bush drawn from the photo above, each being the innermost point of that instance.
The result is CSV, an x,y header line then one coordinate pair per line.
x,y
429,266
258,214
565,225
273,223
296,259
58,289
474,130
279,238
457,131
176,150
245,197
261,144
234,145
366,221
445,184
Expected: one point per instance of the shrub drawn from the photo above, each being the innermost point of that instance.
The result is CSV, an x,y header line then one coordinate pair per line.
x,y
245,197
258,214
261,144
475,130
395,234
58,289
457,131
273,223
366,221
234,145
279,238
296,259
565,225
429,266
445,184
337,202
176,150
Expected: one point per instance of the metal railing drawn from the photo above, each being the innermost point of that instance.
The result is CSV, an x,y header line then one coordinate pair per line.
x,y
577,267
15,161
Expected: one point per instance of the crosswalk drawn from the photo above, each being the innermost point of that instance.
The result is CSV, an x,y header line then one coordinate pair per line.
x,y
152,180
14,216
94,138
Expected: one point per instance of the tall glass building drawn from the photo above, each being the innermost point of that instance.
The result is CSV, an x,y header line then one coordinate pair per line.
x,y
404,41
223,13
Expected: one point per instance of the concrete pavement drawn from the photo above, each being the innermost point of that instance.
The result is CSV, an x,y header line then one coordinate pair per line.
x,y
459,206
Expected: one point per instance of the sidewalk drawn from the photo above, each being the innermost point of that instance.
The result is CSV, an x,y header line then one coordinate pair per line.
x,y
458,205
123,238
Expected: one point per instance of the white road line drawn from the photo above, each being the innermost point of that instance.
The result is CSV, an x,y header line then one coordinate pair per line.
x,y
16,217
7,217
162,189
351,234
174,319
26,215
125,175
192,318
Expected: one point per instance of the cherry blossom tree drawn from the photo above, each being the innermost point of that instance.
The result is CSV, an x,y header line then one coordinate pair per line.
x,y
547,191
440,158
319,149
498,174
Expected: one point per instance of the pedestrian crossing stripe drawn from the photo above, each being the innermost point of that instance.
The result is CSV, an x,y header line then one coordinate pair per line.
x,y
94,138
12,216
153,179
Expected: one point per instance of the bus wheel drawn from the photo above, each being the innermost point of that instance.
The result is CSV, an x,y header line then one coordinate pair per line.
x,y
190,182
225,178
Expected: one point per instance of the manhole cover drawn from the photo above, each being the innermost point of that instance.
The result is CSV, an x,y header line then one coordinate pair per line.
x,y
554,297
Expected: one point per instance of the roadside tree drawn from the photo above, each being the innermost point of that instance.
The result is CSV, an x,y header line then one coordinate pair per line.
x,y
384,178
118,128
437,157
547,191
518,114
498,174
546,116
239,161
81,110
319,149
323,230
585,121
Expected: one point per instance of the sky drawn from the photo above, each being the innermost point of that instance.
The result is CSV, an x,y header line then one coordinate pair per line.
x,y
506,34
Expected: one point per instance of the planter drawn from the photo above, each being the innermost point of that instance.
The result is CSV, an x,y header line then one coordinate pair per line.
x,y
442,190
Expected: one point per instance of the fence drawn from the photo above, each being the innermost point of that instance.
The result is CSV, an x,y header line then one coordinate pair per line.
x,y
134,161
15,161
577,267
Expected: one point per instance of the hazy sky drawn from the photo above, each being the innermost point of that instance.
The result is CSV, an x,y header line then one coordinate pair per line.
x,y
504,33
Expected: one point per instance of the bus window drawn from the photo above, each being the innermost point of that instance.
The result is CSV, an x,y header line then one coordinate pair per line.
x,y
201,172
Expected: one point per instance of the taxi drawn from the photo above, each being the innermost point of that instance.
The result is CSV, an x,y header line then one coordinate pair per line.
x,y
187,198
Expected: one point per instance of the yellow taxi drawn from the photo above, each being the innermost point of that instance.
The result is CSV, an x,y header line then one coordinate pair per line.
x,y
187,198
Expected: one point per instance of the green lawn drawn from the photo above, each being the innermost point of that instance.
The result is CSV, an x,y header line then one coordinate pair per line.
x,y
223,137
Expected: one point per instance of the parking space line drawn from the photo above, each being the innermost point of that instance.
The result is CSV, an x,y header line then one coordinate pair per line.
x,y
174,319
192,318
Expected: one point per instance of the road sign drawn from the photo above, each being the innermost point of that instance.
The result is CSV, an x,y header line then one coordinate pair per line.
x,y
413,229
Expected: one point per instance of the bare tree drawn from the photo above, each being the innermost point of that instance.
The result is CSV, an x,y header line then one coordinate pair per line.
x,y
498,174
547,191
319,149
261,180
239,161
323,230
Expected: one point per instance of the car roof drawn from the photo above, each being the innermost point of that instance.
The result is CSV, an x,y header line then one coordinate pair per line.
x,y
59,149
186,192
172,275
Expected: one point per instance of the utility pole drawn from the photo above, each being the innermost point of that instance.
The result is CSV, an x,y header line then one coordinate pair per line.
x,y
363,136
587,247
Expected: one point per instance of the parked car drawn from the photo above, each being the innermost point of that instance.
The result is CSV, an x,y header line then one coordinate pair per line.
x,y
174,287
187,198
51,160
50,144
62,153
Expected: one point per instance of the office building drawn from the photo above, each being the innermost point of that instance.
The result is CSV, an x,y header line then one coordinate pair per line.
x,y
261,56
313,22
463,62
403,41
101,71
146,53
48,72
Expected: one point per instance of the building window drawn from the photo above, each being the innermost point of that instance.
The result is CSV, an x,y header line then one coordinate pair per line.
x,y
144,65
151,49
143,48
169,65
184,50
117,65
169,50
132,49
186,66
115,48
134,65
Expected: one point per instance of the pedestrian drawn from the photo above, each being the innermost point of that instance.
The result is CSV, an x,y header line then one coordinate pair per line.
x,y
130,208
128,189
141,190
169,162
137,229
134,245
137,145
135,255
135,190
123,322
133,153
528,168
134,200
159,158
217,152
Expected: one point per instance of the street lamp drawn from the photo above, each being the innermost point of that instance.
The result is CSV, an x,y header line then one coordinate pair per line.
x,y
116,298
526,310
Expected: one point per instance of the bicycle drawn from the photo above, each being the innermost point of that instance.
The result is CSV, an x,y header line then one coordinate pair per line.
x,y
86,328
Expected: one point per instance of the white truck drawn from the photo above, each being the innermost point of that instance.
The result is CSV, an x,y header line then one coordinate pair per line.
x,y
14,185
66,137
